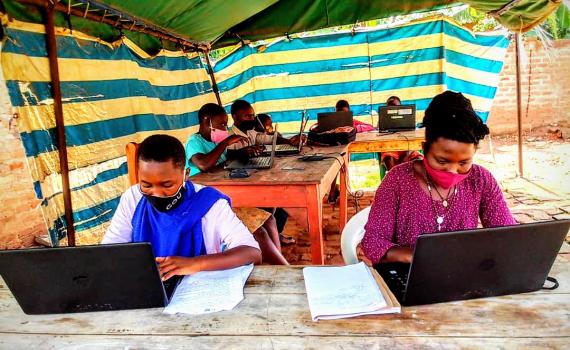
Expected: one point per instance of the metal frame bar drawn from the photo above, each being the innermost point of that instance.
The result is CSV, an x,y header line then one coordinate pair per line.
x,y
519,110
97,12
213,78
59,121
504,9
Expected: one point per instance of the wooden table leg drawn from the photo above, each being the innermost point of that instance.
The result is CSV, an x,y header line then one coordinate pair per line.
x,y
315,219
343,194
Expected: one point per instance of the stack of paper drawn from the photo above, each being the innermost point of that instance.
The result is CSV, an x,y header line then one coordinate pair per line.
x,y
209,291
346,291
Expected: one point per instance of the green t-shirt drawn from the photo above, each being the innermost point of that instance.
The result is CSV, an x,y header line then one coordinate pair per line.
x,y
197,144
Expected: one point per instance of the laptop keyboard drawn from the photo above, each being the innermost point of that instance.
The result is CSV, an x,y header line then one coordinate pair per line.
x,y
396,277
397,280
281,148
259,161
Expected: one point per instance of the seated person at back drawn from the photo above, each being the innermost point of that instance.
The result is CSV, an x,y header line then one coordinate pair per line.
x,y
344,106
265,124
443,192
245,122
206,149
391,159
186,224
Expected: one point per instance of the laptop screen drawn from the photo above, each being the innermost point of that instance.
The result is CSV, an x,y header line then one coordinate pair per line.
x,y
401,117
333,120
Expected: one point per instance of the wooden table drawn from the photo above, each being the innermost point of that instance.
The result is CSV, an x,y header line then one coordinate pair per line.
x,y
275,315
374,142
290,183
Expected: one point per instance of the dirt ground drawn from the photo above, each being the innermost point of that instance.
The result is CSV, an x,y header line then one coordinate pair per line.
x,y
543,193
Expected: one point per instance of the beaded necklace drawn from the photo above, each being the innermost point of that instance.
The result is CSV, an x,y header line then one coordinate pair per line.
x,y
439,219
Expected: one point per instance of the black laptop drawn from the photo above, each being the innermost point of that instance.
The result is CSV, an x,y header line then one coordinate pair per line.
x,y
397,118
476,263
85,278
332,120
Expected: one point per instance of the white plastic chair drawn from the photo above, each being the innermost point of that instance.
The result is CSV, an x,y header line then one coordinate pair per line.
x,y
352,235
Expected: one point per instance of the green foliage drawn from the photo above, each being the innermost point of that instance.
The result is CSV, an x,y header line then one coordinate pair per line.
x,y
557,25
477,21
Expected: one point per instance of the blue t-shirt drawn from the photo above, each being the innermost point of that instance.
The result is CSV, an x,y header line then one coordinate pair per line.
x,y
197,144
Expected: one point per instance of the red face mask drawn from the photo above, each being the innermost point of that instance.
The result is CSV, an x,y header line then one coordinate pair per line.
x,y
445,179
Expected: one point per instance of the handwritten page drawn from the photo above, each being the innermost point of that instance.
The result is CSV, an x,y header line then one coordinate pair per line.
x,y
346,291
209,291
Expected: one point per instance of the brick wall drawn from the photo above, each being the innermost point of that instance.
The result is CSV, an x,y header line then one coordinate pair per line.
x,y
548,82
20,215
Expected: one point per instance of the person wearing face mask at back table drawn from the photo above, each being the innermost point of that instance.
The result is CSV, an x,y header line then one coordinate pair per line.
x,y
443,192
245,122
208,147
187,225
205,150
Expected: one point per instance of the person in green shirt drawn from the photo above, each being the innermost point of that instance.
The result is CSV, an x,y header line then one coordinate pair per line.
x,y
207,149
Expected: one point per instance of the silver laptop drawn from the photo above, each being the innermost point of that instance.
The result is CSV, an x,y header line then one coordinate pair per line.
x,y
281,150
263,162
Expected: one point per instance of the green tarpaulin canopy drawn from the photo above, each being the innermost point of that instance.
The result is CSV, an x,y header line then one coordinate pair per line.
x,y
219,23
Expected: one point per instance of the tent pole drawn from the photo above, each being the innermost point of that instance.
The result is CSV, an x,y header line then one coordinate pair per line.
x,y
212,77
519,109
59,122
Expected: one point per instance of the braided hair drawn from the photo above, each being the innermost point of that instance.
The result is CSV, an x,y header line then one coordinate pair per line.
x,y
450,115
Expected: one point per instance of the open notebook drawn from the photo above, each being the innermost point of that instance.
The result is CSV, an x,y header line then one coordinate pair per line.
x,y
347,291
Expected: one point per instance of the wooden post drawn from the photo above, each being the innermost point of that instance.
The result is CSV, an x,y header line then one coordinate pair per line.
x,y
213,78
519,110
59,122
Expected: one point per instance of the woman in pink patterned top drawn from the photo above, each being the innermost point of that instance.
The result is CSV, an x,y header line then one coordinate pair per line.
x,y
443,192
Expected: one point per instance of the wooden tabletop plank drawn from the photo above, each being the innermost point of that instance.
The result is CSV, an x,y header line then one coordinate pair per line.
x,y
523,315
276,305
104,342
377,142
376,136
299,172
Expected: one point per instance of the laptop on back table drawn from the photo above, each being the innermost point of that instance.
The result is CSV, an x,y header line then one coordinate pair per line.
x,y
397,118
282,150
332,120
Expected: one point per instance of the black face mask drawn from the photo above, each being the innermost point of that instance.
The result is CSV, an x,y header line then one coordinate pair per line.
x,y
247,125
166,203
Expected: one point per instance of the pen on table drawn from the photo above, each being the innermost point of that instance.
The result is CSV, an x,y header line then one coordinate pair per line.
x,y
291,168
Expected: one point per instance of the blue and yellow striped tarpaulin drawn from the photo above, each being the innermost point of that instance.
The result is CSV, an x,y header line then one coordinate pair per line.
x,y
414,61
112,94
